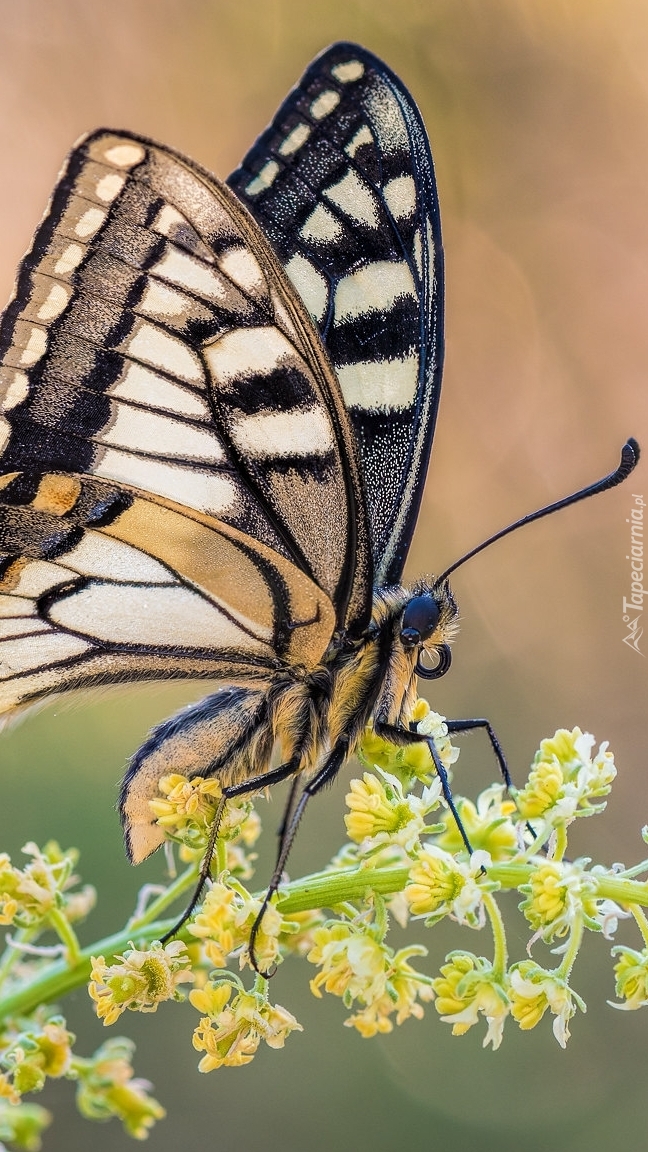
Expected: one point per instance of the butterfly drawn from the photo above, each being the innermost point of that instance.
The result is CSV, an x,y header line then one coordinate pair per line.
x,y
218,407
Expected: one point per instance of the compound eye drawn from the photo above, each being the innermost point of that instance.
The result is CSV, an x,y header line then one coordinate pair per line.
x,y
434,671
420,619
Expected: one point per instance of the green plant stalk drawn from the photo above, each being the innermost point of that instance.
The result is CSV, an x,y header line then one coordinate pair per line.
x,y
319,890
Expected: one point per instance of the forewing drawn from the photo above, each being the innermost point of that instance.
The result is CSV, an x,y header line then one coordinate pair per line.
x,y
343,184
102,585
154,340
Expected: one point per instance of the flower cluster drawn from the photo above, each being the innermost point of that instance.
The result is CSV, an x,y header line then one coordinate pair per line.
x,y
231,1030
406,858
41,894
140,980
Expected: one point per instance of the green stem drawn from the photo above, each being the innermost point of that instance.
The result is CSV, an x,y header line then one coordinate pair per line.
x,y
320,890
260,986
567,962
220,852
500,957
66,935
642,922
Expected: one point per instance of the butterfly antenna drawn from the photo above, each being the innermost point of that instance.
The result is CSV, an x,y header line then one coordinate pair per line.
x,y
629,459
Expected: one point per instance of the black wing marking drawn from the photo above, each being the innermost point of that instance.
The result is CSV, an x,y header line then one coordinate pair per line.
x,y
155,341
343,184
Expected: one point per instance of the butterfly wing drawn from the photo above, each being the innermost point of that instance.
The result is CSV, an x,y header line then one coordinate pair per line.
x,y
342,183
155,347
101,584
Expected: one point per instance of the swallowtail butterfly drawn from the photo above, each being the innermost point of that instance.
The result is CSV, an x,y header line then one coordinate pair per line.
x,y
218,406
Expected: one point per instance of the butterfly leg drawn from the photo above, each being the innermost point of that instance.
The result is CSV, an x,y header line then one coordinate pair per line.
x,y
455,726
402,736
274,776
292,818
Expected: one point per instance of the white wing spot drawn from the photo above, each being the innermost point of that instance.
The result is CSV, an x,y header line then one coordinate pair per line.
x,y
158,300
240,266
354,198
5,433
110,186
373,288
400,194
144,387
299,432
321,226
380,385
182,269
16,656
311,285
324,104
263,179
90,222
69,259
98,555
418,252
17,390
294,140
16,606
362,136
350,70
134,427
170,616
248,352
40,576
159,348
54,303
125,155
35,347
387,118
206,491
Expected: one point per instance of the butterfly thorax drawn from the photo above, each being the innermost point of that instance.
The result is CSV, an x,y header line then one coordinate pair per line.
x,y
371,677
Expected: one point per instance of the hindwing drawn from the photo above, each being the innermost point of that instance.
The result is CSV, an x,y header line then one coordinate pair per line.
x,y
343,184
104,584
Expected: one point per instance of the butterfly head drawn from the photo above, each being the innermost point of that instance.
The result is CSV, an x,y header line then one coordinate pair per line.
x,y
427,624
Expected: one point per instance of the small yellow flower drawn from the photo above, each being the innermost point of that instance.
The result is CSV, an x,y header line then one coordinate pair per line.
x,y
226,919
410,762
8,1090
187,810
564,779
107,1088
380,813
489,825
554,897
353,964
631,972
441,886
230,1033
8,909
217,925
39,1052
405,989
542,790
29,895
22,1125
140,981
533,989
468,988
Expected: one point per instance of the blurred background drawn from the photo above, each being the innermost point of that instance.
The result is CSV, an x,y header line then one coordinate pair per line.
x,y
537,113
